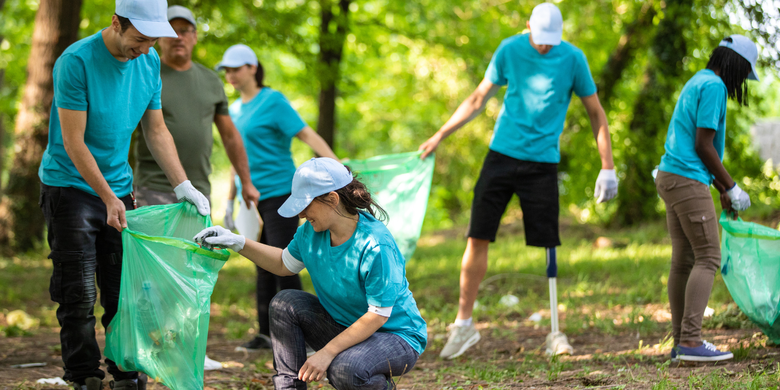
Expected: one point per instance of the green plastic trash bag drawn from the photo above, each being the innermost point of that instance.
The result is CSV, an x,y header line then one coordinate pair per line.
x,y
751,270
400,183
162,322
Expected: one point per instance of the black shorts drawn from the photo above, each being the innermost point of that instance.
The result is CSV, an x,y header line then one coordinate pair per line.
x,y
536,184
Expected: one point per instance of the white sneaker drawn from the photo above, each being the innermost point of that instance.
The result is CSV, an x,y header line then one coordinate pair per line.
x,y
461,338
211,364
558,344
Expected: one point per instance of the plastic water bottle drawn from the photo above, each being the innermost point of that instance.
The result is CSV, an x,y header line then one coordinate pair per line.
x,y
147,313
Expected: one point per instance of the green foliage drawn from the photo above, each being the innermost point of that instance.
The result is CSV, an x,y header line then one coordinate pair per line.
x,y
407,66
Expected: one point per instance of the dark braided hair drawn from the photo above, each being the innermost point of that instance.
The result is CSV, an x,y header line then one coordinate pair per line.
x,y
733,69
355,197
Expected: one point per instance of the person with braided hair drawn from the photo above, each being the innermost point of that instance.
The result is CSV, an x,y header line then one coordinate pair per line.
x,y
693,160
364,321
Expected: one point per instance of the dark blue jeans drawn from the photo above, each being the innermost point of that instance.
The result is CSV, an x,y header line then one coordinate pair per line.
x,y
297,318
278,231
82,246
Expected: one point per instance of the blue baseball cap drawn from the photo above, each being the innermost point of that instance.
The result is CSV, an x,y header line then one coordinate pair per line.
x,y
313,178
236,56
546,24
746,48
149,17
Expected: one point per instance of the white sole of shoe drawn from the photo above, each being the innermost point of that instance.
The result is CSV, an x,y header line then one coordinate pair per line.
x,y
689,358
471,341
560,348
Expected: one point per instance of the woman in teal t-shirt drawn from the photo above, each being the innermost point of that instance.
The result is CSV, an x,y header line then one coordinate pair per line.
x,y
363,322
693,160
267,124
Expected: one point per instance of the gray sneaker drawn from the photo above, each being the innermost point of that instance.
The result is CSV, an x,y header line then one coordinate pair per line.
x,y
90,383
461,338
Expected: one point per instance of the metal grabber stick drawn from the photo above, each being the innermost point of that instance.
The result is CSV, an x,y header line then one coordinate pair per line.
x,y
552,275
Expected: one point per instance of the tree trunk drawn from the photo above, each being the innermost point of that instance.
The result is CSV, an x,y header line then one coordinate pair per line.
x,y
652,112
56,27
634,36
333,33
2,127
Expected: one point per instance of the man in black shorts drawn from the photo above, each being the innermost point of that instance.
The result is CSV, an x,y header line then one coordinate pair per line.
x,y
540,71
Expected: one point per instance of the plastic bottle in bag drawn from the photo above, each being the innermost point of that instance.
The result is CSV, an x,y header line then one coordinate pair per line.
x,y
148,313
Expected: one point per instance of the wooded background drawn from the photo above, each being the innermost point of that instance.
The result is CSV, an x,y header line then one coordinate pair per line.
x,y
381,76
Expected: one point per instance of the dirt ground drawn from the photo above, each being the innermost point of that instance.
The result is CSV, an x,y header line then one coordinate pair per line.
x,y
600,361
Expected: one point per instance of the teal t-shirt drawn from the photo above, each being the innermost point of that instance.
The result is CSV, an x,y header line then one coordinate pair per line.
x,y
267,124
539,89
368,269
115,95
702,103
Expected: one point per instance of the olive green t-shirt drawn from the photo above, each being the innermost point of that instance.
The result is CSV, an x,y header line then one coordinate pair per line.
x,y
190,99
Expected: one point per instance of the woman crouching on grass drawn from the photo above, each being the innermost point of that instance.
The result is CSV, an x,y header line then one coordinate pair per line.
x,y
693,159
363,322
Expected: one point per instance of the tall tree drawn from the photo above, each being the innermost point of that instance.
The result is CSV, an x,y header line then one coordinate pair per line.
x,y
333,34
634,37
652,111
56,27
2,128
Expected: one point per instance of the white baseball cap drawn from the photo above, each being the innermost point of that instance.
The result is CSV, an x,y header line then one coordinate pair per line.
x,y
179,12
149,17
546,24
746,48
313,178
236,56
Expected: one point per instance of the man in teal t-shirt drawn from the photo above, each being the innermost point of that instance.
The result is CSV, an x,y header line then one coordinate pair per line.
x,y
104,85
541,72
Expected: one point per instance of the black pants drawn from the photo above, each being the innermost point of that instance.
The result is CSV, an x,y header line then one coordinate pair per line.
x,y
278,231
536,184
82,245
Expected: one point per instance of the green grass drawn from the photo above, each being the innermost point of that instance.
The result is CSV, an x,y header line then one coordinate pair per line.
x,y
611,291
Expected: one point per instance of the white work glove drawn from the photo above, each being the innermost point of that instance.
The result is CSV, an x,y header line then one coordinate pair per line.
x,y
606,185
186,192
217,236
740,200
229,223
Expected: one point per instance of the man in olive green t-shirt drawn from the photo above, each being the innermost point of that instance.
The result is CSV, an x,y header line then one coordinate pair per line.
x,y
193,97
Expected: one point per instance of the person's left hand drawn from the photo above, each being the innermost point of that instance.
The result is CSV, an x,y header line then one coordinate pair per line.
x,y
316,367
250,194
606,186
186,192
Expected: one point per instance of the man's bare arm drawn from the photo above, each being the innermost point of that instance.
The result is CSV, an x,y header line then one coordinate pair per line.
x,y
74,125
234,147
468,110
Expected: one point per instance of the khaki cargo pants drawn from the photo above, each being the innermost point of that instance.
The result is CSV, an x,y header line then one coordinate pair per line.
x,y
693,227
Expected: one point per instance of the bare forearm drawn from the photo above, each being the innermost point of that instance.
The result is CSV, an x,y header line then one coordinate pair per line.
x,y
87,166
235,151
709,156
466,112
598,122
316,143
266,257
234,147
359,331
